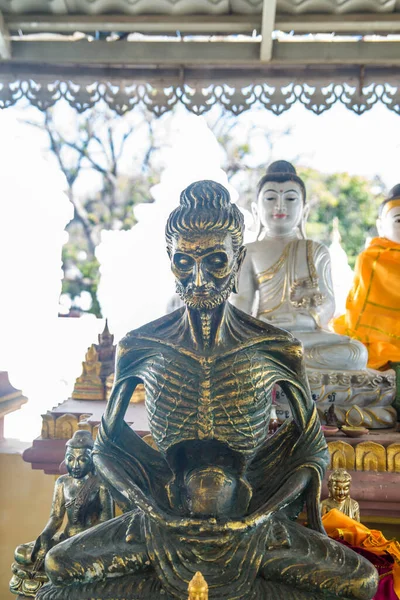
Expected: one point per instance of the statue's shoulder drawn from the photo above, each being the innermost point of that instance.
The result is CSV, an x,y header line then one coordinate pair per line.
x,y
312,245
252,329
160,330
254,248
301,244
60,481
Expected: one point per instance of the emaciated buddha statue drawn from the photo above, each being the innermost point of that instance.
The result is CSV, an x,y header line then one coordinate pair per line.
x,y
339,483
286,281
79,496
373,304
218,495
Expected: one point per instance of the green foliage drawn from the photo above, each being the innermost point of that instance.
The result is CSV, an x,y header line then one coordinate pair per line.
x,y
353,199
85,276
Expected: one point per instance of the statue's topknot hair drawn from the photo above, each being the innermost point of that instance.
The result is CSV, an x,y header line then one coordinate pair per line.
x,y
279,171
394,194
205,206
340,475
81,439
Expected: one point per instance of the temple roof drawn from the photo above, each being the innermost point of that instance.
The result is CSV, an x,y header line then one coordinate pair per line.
x,y
193,44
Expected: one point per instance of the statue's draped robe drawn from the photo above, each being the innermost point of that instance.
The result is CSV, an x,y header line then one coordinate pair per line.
x,y
341,527
299,284
349,507
302,262
373,304
237,418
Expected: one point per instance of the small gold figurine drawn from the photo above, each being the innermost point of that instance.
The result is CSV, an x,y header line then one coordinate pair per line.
x,y
81,497
89,385
198,588
339,495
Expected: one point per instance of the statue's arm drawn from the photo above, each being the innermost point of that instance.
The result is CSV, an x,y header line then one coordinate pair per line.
x,y
113,418
245,299
356,511
55,520
356,282
324,508
107,505
299,394
324,308
287,493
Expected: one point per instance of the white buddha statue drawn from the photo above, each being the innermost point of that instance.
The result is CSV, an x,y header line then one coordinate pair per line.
x,y
286,280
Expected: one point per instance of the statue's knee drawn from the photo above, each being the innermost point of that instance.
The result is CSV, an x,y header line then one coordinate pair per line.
x,y
366,583
55,565
372,582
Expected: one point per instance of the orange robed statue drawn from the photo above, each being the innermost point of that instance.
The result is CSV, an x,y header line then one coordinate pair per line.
x,y
373,304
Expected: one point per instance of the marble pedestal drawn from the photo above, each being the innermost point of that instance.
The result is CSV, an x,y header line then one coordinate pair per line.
x,y
360,398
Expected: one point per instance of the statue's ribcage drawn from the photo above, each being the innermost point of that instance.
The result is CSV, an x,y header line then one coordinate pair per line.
x,y
226,399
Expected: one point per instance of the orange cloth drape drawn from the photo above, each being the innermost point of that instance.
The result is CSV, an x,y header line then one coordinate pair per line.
x,y
373,304
340,527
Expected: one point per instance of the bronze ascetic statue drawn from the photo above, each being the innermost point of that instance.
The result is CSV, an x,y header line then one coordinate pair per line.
x,y
79,496
218,496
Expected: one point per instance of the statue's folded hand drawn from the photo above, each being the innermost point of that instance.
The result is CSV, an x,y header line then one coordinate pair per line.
x,y
42,545
212,526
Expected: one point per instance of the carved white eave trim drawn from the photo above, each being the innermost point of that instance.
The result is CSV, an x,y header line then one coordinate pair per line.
x,y
276,89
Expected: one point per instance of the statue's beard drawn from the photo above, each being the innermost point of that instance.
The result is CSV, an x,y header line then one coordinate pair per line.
x,y
213,296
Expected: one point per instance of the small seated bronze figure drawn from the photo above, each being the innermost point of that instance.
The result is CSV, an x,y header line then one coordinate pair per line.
x,y
79,496
219,495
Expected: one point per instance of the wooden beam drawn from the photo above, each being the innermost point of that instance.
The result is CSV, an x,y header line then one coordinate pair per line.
x,y
154,54
147,24
136,53
339,53
349,23
267,27
5,44
203,24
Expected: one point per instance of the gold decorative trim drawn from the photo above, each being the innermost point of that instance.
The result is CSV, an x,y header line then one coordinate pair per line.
x,y
342,456
370,456
393,458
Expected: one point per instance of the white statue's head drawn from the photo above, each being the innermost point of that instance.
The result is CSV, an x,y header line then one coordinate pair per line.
x,y
281,201
388,223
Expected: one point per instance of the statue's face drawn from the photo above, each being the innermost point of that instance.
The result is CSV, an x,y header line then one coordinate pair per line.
x,y
340,490
78,462
198,595
389,224
205,266
280,207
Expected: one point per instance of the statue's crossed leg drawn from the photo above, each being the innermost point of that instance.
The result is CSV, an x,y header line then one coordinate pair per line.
x,y
313,561
100,562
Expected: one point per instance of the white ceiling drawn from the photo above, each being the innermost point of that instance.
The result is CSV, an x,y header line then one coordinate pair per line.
x,y
185,7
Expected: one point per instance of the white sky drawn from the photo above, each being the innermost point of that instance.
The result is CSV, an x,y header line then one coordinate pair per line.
x,y
340,140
